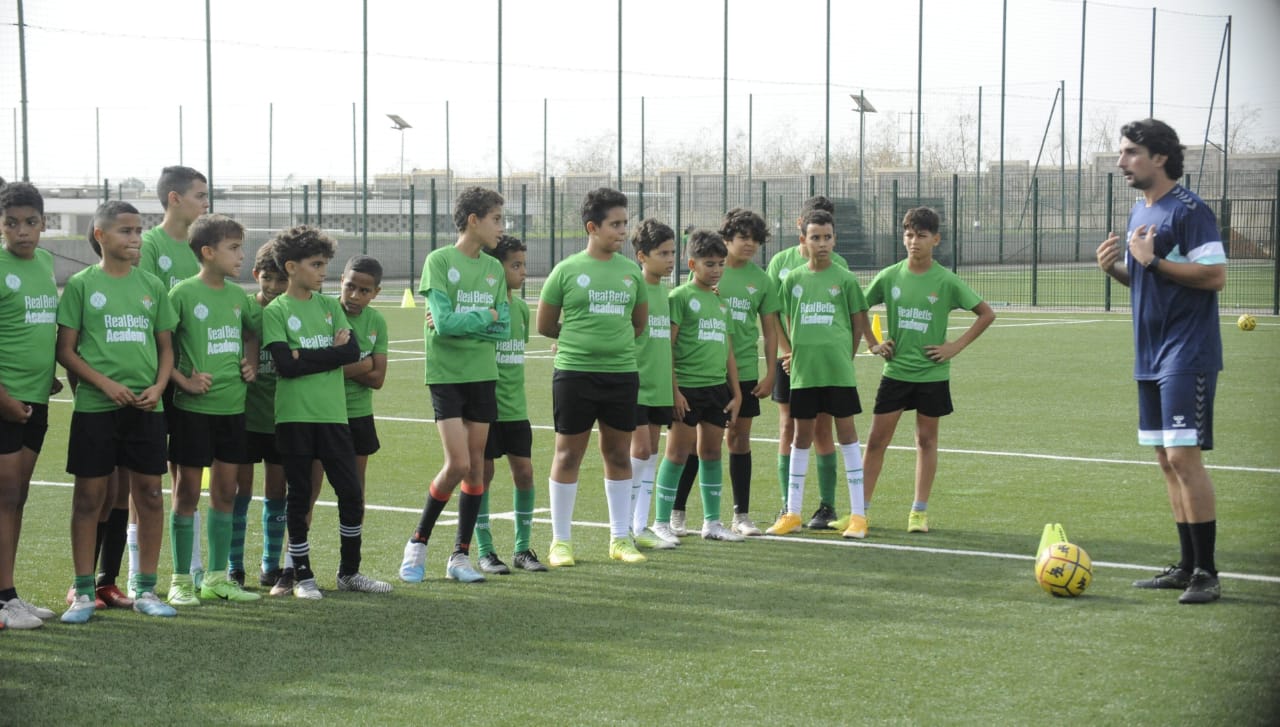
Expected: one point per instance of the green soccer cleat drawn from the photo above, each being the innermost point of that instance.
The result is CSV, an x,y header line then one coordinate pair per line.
x,y
217,586
561,554
624,550
918,521
649,539
182,591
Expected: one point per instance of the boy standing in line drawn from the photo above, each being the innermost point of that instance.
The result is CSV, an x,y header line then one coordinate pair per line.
x,y
468,314
604,302
919,295
361,283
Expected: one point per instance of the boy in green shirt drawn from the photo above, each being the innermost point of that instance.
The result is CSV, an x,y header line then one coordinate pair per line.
x,y
217,353
511,434
28,324
605,307
115,336
468,314
704,386
310,341
655,247
361,283
827,314
919,295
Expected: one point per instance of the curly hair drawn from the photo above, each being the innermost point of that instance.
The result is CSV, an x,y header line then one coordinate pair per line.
x,y
739,221
922,219
507,244
705,243
476,201
20,194
300,243
598,202
265,259
650,234
1159,138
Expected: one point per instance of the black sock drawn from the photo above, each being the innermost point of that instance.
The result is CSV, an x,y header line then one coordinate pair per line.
x,y
430,514
115,533
1204,537
687,478
8,594
98,538
740,478
350,539
1188,560
468,511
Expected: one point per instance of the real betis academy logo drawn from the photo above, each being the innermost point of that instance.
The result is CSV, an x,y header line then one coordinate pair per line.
x,y
834,291
751,290
97,300
933,298
147,302
584,280
164,263
294,323
628,282
453,275
13,281
490,280
201,311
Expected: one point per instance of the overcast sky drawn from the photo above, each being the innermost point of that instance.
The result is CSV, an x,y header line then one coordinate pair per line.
x,y
139,61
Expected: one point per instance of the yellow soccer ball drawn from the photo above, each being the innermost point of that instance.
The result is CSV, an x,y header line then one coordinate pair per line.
x,y
1247,322
1064,569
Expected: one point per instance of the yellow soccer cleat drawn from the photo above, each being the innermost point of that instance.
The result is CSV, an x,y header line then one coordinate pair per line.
x,y
857,527
787,523
624,550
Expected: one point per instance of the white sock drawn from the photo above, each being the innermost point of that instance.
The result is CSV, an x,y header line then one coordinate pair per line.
x,y
197,563
131,540
288,559
795,479
853,476
563,495
618,494
643,469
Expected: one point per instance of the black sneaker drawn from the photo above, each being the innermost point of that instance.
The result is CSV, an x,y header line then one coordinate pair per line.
x,y
267,579
528,560
1203,588
237,576
285,583
822,518
1173,577
491,563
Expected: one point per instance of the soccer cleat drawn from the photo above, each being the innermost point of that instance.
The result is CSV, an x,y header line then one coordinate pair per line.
x,y
285,583
857,527
664,531
743,525
458,568
71,599
918,521
39,612
361,583
788,522
307,589
15,616
80,612
624,550
182,591
268,578
237,575
1203,588
197,577
649,539
677,523
219,586
715,530
491,563
112,597
561,554
822,518
840,524
149,604
528,560
1173,577
413,567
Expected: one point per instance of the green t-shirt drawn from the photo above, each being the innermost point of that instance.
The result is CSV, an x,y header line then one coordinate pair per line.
x,y
209,339
596,298
783,263
370,331
460,351
510,358
260,395
28,325
316,398
170,260
118,319
917,307
653,351
819,305
749,294
701,345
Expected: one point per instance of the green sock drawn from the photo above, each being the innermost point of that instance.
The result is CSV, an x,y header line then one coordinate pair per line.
x,y
273,525
180,532
84,585
784,476
827,479
523,500
710,480
219,530
665,485
239,522
146,583
483,533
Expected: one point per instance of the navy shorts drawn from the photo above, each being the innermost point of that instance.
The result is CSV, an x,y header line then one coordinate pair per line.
x,y
930,398
509,438
475,401
29,434
1177,411
838,401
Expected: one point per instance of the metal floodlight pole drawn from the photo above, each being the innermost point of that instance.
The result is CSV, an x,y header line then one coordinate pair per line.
x,y
1004,55
642,169
750,136
1084,16
1151,94
97,143
826,135
544,140
180,161
271,122
1225,222
448,165
863,107
499,176
724,117
400,126
22,72
920,96
208,89
619,95
364,181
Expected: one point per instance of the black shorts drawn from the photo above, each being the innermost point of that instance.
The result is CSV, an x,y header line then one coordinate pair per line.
x,y
781,384
261,447
475,401
29,434
196,440
364,436
930,398
750,408
127,437
646,415
321,441
838,401
513,438
166,399
706,404
580,398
